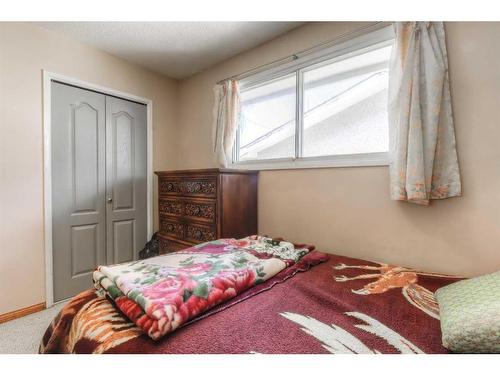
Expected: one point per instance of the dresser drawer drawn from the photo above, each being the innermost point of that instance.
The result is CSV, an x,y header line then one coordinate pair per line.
x,y
196,208
173,207
168,246
172,228
200,210
200,233
191,187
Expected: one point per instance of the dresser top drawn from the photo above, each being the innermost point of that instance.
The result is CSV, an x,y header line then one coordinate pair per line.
x,y
213,171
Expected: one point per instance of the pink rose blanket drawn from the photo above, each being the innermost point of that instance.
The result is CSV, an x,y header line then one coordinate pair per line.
x,y
162,293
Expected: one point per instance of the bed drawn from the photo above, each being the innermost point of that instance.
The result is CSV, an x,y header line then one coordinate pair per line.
x,y
323,303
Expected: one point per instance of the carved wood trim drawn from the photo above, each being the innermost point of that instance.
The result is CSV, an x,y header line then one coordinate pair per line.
x,y
170,186
200,210
194,187
200,233
203,187
172,228
171,207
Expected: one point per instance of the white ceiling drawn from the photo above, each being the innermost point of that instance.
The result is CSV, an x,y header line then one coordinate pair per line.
x,y
175,49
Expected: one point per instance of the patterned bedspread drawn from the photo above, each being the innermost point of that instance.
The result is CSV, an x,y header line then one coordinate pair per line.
x,y
340,305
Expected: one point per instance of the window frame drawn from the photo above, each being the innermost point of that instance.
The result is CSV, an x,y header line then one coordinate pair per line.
x,y
299,64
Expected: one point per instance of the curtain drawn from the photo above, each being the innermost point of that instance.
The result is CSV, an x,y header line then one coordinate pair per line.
x,y
226,114
423,156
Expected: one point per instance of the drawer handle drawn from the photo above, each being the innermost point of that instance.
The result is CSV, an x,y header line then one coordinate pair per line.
x,y
198,234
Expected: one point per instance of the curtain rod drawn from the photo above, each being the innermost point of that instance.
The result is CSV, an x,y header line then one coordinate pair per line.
x,y
295,56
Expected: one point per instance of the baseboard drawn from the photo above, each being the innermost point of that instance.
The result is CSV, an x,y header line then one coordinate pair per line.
x,y
22,312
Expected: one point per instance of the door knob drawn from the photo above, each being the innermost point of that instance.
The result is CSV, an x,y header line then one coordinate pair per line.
x,y
110,200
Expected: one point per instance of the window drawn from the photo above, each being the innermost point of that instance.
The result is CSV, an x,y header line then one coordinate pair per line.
x,y
267,122
324,109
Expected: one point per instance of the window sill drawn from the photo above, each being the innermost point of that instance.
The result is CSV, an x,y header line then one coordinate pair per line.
x,y
374,159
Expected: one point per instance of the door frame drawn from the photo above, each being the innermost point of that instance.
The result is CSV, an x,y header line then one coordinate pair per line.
x,y
48,77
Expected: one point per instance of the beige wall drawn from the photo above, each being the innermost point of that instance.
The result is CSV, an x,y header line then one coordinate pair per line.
x,y
347,210
24,51
341,210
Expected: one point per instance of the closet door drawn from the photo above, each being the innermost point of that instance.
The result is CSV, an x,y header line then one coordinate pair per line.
x,y
78,187
126,186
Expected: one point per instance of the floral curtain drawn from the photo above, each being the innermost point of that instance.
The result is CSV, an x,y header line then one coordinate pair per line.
x,y
226,114
424,163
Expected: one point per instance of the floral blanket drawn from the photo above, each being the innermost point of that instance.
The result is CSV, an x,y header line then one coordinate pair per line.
x,y
162,293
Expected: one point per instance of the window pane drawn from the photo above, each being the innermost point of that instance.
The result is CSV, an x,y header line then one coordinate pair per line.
x,y
267,123
345,106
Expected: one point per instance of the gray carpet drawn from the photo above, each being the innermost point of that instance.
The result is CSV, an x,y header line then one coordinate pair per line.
x,y
23,335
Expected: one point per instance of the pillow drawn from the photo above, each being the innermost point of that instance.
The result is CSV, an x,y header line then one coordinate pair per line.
x,y
470,314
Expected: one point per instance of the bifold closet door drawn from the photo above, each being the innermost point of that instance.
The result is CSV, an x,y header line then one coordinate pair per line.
x,y
126,186
78,138
99,188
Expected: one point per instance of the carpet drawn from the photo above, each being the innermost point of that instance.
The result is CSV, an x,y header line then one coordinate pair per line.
x,y
23,335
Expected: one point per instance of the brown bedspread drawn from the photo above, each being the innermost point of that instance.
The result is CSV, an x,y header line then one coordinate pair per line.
x,y
343,305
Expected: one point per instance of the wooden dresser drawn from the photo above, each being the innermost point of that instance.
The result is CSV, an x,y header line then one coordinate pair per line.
x,y
202,205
